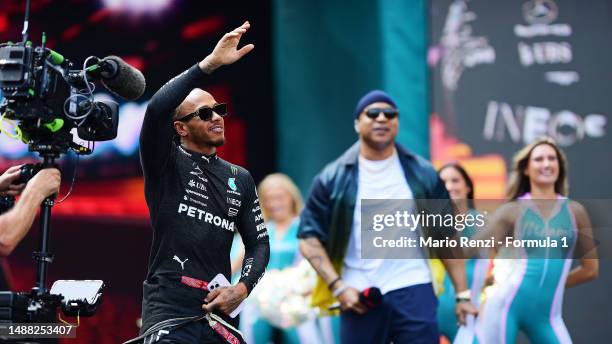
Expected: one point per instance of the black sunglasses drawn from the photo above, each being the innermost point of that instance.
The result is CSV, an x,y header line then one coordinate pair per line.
x,y
206,113
388,112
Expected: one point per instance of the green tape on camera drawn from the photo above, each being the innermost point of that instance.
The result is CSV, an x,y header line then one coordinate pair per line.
x,y
56,125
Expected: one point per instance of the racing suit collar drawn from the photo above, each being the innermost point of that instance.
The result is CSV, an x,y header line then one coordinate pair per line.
x,y
198,156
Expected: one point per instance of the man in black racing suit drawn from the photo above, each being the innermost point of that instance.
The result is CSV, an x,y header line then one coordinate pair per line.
x,y
196,202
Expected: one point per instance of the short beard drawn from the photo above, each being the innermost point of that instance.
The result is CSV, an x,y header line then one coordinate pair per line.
x,y
205,141
218,143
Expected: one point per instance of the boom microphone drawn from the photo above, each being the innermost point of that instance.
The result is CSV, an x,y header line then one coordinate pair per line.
x,y
119,77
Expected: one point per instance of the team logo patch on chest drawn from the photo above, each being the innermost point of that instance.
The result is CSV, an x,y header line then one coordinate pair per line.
x,y
231,182
233,188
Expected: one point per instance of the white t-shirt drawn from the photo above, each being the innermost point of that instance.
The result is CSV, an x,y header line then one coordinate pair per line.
x,y
381,179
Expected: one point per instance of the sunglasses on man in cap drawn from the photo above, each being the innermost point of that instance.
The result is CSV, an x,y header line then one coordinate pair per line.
x,y
388,112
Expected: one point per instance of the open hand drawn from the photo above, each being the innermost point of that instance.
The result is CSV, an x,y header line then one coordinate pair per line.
x,y
226,51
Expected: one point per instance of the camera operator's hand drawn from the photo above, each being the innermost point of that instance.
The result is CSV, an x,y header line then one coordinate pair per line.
x,y
226,51
7,188
45,183
14,224
225,299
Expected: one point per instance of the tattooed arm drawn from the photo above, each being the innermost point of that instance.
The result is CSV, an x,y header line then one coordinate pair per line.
x,y
312,249
314,226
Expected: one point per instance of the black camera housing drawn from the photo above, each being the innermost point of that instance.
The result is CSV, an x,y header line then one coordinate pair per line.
x,y
49,99
32,90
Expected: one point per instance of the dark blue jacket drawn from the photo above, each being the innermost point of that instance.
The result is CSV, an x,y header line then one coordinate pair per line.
x,y
328,214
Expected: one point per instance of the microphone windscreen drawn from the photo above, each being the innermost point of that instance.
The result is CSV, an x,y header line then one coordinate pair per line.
x,y
128,82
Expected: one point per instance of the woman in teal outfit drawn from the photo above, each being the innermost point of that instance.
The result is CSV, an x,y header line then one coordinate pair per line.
x,y
461,190
527,294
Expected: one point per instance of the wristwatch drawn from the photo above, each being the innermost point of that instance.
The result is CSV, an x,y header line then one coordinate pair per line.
x,y
463,296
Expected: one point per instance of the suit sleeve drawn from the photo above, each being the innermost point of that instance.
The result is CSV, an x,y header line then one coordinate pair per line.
x,y
254,236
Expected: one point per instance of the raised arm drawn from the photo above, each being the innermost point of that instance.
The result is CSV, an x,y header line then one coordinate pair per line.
x,y
157,132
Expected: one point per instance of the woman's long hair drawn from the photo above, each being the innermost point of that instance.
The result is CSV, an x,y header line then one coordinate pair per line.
x,y
283,181
519,183
466,178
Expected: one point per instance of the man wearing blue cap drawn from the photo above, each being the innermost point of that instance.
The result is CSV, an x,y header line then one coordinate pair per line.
x,y
376,167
